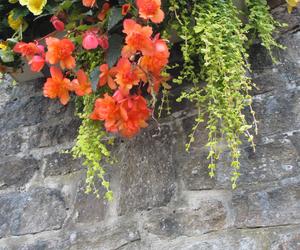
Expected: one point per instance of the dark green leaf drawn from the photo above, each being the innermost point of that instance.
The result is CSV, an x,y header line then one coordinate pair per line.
x,y
114,51
95,78
115,16
20,12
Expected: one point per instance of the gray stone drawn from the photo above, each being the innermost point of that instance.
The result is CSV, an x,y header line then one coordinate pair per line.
x,y
60,163
87,207
16,171
277,113
31,212
10,143
195,213
273,161
147,175
269,206
51,135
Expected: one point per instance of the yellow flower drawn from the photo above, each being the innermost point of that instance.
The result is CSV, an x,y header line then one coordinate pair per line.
x,y
16,23
292,4
23,2
3,46
35,6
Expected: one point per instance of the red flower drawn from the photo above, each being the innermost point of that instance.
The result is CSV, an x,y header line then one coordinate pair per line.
x,y
89,3
138,39
150,9
103,42
105,8
37,63
58,25
125,8
82,85
60,51
156,62
106,109
126,115
57,86
127,75
134,114
90,40
106,76
27,49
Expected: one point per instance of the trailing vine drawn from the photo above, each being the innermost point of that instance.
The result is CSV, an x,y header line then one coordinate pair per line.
x,y
90,147
215,61
115,63
263,24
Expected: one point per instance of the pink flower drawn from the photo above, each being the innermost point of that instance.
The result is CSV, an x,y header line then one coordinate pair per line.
x,y
90,40
37,63
103,42
58,25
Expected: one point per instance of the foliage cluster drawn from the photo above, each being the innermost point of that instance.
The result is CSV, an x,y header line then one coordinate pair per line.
x,y
113,61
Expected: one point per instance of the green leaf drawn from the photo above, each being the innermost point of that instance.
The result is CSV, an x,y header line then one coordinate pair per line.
x,y
7,56
66,4
114,51
95,78
83,27
115,16
20,12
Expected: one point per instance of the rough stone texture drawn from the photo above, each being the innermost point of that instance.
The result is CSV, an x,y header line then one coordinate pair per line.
x,y
164,198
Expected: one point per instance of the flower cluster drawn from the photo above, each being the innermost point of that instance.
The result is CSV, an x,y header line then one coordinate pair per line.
x,y
141,64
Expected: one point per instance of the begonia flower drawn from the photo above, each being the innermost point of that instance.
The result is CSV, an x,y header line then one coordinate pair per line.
x,y
57,86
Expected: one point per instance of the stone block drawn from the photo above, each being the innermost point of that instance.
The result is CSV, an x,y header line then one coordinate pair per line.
x,y
10,143
147,177
51,135
275,160
38,210
16,171
195,213
88,207
269,206
60,163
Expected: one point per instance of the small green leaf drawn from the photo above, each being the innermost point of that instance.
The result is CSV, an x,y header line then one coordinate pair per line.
x,y
19,12
115,16
7,56
66,4
95,78
83,27
114,51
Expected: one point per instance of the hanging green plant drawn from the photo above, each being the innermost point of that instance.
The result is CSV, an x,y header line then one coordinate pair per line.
x,y
110,57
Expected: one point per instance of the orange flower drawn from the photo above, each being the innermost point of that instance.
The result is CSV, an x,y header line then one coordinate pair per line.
x,y
27,49
102,14
37,63
126,115
106,109
57,86
60,51
138,39
106,76
82,85
125,8
150,9
127,75
134,113
89,3
155,63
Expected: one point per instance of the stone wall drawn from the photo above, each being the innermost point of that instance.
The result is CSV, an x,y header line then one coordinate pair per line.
x,y
164,198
